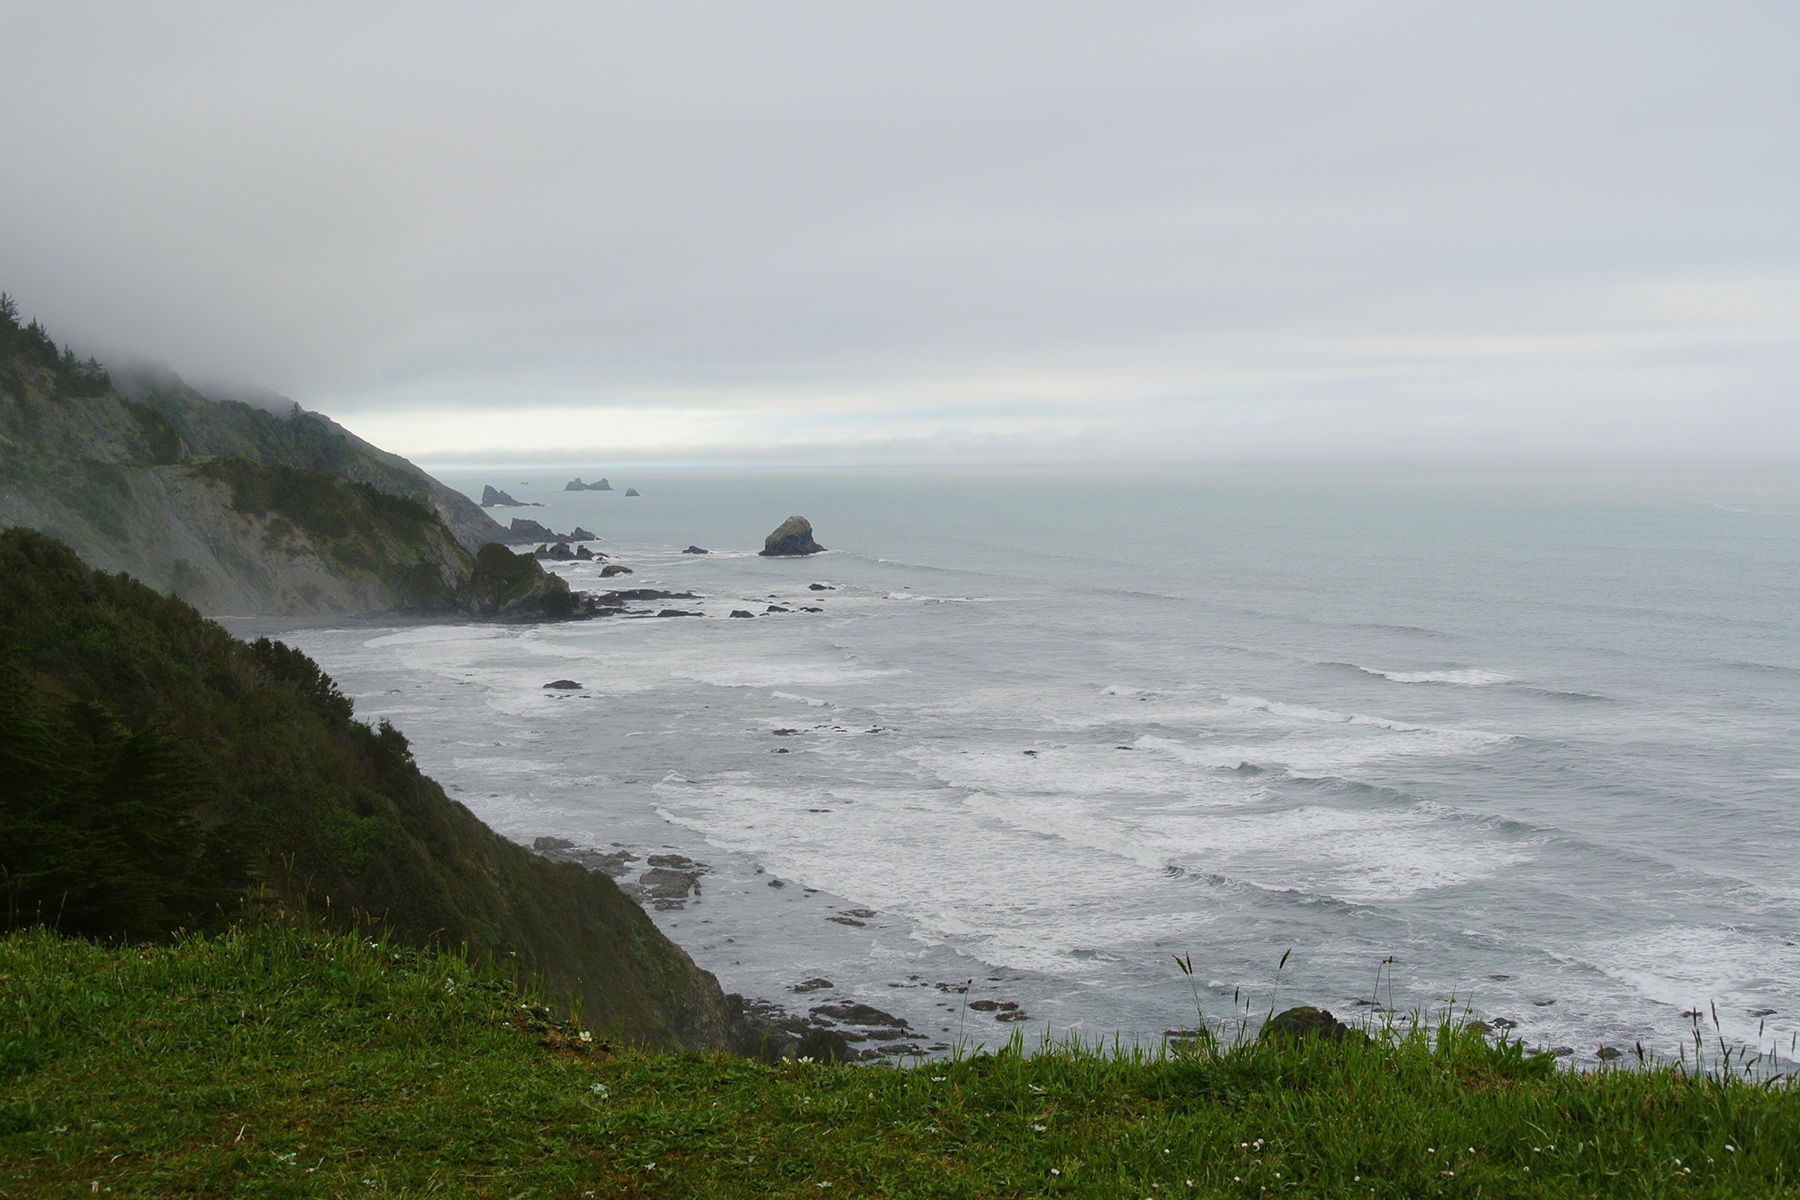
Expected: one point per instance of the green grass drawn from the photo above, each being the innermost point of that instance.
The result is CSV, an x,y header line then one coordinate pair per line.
x,y
265,1061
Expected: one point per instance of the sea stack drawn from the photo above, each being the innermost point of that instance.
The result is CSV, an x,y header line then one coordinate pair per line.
x,y
575,485
791,538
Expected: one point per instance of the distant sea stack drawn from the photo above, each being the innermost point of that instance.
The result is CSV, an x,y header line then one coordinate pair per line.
x,y
492,497
793,537
575,485
631,491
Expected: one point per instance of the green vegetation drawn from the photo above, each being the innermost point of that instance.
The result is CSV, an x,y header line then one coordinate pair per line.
x,y
32,343
154,766
274,1061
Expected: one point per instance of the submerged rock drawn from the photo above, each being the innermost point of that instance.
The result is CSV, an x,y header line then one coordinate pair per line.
x,y
793,537
563,685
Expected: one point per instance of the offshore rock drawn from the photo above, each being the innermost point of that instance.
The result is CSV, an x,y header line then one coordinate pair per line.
x,y
492,497
611,569
793,537
696,550
575,485
632,492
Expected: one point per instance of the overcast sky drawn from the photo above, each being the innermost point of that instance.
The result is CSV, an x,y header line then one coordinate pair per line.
x,y
848,232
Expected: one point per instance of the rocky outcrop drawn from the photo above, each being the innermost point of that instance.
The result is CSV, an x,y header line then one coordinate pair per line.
x,y
524,531
492,497
575,485
631,492
561,553
1297,1024
696,550
513,587
793,537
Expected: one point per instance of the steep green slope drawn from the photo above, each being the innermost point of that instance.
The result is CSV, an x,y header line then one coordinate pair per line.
x,y
232,507
153,765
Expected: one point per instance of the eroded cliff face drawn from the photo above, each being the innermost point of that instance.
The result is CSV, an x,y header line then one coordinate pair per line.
x,y
240,510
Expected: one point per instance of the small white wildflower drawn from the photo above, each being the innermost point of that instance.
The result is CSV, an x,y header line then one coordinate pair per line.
x,y
599,1089
1054,1171
937,1079
1730,1149
587,1035
649,1166
1471,1149
1039,1128
803,1058
1429,1150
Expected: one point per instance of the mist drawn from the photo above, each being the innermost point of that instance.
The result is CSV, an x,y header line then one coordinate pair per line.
x,y
800,232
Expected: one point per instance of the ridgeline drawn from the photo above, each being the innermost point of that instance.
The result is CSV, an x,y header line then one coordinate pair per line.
x,y
241,508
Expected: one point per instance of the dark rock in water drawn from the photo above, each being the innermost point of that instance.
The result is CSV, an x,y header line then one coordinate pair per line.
x,y
674,860
984,1005
812,985
791,538
578,534
774,608
1608,1053
526,530
631,491
810,608
611,569
1297,1024
859,1014
583,553
1013,1015
1562,1051
696,550
738,612
560,552
821,587
1480,1027
1762,1012
678,612
575,485
563,685
492,497
1503,1023
847,921
667,884
552,843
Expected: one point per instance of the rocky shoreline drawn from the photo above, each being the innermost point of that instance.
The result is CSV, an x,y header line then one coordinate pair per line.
x,y
825,1024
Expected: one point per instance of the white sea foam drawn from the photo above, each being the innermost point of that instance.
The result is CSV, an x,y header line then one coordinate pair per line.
x,y
1467,677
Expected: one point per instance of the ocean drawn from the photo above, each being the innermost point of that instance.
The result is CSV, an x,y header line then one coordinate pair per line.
x,y
1521,742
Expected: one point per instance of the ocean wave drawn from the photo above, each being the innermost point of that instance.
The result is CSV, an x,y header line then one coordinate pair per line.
x,y
809,701
1461,676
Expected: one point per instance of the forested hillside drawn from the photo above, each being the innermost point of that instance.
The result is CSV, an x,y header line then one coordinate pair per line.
x,y
156,770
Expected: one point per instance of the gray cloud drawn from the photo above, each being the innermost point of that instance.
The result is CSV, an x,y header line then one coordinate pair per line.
x,y
1029,231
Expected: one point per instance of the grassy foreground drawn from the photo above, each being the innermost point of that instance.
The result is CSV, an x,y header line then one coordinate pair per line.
x,y
265,1061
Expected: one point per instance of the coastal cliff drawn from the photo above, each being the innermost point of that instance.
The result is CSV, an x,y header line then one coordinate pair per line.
x,y
161,770
238,507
